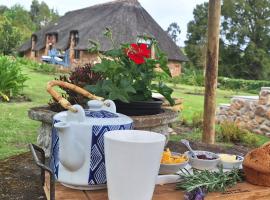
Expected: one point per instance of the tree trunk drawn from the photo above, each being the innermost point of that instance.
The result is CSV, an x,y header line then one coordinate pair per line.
x,y
211,72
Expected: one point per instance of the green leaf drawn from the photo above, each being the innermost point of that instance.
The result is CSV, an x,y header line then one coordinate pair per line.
x,y
114,53
94,47
164,64
97,89
165,91
124,83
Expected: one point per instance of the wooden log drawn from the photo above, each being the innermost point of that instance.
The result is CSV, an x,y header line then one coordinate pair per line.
x,y
211,72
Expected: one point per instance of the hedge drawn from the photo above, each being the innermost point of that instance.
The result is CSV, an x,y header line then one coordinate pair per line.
x,y
241,84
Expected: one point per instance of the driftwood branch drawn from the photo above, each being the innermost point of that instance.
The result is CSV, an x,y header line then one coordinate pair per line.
x,y
63,102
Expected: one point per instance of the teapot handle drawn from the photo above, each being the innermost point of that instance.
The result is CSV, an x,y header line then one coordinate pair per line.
x,y
63,102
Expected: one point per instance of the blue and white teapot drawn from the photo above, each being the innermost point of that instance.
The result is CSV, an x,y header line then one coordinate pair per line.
x,y
77,154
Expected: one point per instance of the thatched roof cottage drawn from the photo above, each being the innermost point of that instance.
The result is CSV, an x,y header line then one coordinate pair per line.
x,y
127,19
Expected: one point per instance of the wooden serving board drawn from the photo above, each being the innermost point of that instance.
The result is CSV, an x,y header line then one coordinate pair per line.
x,y
242,191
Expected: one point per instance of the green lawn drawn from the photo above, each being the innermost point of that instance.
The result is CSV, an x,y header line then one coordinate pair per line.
x,y
194,103
17,130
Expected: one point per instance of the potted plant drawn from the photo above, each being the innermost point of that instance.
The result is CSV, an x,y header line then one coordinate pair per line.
x,y
128,73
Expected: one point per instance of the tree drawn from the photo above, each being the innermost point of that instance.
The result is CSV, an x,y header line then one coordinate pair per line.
x,y
246,26
10,37
41,14
17,24
3,8
245,29
21,19
230,61
34,11
196,36
174,31
44,16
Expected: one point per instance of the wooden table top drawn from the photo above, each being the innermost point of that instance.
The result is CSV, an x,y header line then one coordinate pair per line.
x,y
242,191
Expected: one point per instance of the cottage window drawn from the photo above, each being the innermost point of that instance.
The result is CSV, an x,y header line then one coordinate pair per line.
x,y
76,38
77,54
148,41
34,53
34,41
49,37
144,40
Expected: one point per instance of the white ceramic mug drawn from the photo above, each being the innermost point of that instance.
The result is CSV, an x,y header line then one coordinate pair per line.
x,y
132,160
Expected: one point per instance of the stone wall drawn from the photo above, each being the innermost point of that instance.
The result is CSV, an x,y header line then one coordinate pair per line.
x,y
250,112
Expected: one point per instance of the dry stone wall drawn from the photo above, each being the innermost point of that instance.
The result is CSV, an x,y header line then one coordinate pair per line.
x,y
250,112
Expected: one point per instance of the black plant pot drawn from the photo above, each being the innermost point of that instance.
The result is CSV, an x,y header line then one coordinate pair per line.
x,y
138,108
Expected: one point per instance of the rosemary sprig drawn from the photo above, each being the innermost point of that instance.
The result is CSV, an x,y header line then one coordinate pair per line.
x,y
209,181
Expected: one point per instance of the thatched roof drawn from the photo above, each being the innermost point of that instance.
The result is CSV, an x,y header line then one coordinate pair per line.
x,y
126,18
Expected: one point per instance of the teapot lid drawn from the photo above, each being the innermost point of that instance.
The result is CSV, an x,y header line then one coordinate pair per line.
x,y
98,113
99,109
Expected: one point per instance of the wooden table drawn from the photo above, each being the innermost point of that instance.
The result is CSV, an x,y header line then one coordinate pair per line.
x,y
242,191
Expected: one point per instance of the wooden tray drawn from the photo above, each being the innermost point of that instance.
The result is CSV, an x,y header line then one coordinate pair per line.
x,y
242,191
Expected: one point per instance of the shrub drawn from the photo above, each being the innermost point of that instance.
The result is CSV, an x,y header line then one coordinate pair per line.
x,y
196,78
36,66
190,77
44,68
241,84
11,78
197,120
230,132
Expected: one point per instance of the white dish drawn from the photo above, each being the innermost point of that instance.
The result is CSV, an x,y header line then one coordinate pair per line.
x,y
172,168
231,164
202,164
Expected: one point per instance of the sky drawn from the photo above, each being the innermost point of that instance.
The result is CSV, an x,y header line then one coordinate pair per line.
x,y
163,11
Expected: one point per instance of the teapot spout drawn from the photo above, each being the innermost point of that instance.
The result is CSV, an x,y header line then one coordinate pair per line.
x,y
61,126
71,154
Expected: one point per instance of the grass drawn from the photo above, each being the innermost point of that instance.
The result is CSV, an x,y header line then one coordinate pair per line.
x,y
17,130
196,135
193,103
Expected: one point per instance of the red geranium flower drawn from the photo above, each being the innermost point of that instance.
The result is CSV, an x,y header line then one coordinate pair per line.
x,y
137,53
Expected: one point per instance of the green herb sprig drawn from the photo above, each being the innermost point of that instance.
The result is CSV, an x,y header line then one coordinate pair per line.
x,y
210,181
